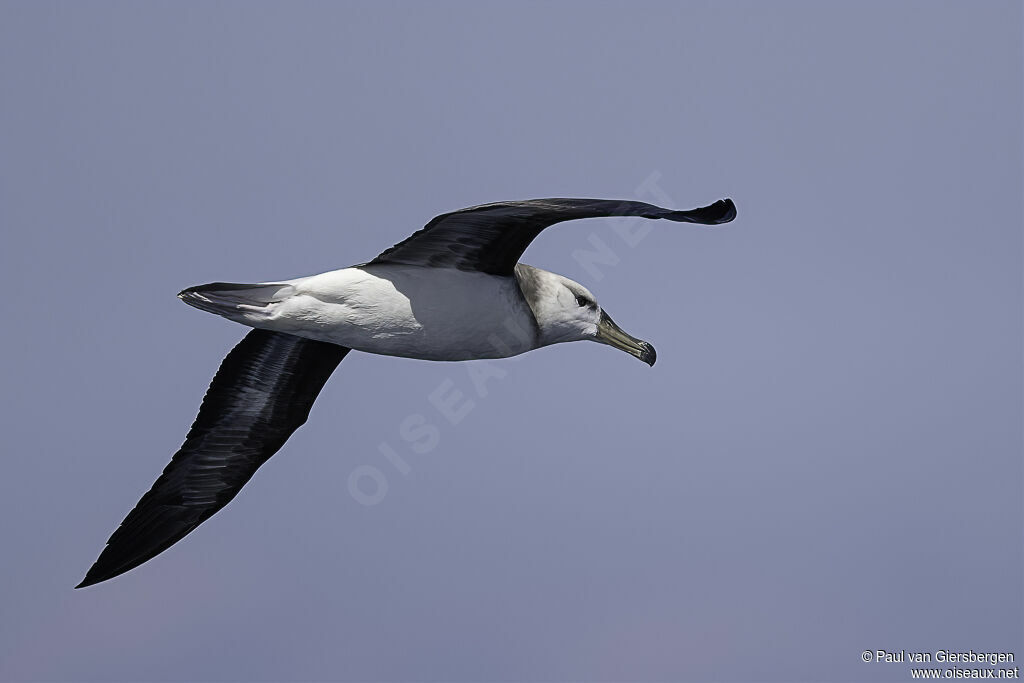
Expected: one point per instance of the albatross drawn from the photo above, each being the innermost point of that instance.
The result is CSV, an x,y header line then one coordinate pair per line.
x,y
452,291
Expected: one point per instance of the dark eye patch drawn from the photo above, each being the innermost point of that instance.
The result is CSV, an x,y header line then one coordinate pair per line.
x,y
582,301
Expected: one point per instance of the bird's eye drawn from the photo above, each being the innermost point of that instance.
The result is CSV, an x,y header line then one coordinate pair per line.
x,y
581,301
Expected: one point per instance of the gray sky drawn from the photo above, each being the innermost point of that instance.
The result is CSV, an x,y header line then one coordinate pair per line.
x,y
826,459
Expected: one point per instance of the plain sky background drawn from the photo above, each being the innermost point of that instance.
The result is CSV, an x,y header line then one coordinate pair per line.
x,y
827,457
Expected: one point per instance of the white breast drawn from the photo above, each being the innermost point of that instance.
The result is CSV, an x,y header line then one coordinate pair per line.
x,y
411,311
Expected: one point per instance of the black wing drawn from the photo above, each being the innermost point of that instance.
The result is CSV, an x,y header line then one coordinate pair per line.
x,y
491,237
262,393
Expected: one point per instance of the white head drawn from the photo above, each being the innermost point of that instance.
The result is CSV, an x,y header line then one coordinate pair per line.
x,y
566,311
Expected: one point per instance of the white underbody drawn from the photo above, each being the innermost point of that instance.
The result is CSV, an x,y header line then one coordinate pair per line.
x,y
396,310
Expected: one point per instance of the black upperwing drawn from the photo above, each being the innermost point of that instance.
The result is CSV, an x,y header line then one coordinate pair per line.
x,y
262,393
491,237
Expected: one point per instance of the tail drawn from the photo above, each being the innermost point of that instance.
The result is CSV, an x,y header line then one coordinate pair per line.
x,y
246,304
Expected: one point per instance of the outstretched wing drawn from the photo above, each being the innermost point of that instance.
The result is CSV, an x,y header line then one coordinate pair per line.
x,y
262,393
491,237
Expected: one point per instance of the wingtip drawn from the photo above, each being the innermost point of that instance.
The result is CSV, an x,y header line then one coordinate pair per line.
x,y
728,207
99,573
104,570
94,575
86,582
722,211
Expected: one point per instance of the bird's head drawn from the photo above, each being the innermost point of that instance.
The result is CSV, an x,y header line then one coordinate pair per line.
x,y
567,311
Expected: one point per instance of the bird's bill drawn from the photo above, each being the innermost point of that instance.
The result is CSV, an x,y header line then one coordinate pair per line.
x,y
610,333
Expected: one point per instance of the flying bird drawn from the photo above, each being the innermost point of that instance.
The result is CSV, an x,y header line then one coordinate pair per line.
x,y
454,290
